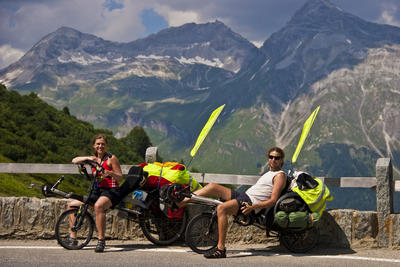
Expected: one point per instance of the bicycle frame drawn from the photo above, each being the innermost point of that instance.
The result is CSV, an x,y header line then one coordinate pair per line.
x,y
202,240
158,228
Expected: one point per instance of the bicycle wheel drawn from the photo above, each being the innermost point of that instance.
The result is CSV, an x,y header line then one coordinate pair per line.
x,y
300,242
64,230
161,230
202,233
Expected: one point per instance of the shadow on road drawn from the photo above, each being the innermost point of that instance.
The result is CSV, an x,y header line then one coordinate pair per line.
x,y
132,247
278,250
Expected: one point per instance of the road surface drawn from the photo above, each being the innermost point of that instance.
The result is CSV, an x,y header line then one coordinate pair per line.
x,y
134,253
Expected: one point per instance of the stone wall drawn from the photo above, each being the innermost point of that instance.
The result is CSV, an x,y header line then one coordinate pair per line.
x,y
34,218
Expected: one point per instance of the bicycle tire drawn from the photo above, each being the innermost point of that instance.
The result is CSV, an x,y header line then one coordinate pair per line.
x,y
300,241
161,230
63,230
200,236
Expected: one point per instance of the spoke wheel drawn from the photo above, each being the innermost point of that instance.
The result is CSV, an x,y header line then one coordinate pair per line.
x,y
300,242
64,230
200,235
161,230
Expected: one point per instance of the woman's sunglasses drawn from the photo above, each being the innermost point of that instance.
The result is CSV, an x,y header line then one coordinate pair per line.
x,y
274,157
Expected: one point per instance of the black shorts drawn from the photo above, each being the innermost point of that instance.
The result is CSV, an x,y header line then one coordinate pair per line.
x,y
240,197
112,193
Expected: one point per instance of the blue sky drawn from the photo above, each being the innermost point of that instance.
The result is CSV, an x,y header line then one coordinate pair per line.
x,y
24,22
152,22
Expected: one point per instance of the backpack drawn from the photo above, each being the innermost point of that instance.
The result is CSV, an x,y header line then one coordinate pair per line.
x,y
171,171
312,190
291,204
297,219
293,212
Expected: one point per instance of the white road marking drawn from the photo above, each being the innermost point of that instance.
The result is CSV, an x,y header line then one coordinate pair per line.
x,y
29,247
107,248
357,258
240,253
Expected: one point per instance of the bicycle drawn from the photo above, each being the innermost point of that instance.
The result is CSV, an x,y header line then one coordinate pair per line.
x,y
202,230
154,223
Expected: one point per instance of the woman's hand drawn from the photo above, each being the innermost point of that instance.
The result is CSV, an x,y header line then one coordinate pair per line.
x,y
78,160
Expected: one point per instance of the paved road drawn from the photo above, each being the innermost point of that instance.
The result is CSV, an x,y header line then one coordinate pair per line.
x,y
129,253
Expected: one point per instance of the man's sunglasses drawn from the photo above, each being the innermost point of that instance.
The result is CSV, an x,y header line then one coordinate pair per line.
x,y
274,157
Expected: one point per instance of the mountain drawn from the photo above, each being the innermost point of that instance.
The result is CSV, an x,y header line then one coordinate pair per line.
x,y
323,56
170,82
177,65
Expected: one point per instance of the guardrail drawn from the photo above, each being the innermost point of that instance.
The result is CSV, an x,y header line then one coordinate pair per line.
x,y
237,179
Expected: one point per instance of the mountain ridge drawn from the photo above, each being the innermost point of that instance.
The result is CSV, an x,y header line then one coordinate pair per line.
x,y
171,88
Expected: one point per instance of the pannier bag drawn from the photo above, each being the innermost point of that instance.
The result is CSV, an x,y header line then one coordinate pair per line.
x,y
171,171
291,204
312,190
297,219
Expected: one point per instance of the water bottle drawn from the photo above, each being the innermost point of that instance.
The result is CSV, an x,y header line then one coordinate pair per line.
x,y
138,195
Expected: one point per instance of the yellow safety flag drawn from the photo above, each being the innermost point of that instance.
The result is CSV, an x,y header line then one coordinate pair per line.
x,y
306,129
207,127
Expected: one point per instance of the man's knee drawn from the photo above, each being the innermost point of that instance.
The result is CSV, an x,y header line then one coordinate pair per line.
x,y
229,207
211,185
222,209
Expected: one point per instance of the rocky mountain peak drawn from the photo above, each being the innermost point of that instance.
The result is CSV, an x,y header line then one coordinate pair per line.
x,y
194,33
313,9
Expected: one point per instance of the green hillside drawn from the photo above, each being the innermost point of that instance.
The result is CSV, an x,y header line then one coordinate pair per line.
x,y
31,131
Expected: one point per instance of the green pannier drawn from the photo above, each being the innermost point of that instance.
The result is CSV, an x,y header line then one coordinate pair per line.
x,y
296,219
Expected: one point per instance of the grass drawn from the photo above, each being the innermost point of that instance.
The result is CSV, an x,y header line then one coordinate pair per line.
x,y
17,185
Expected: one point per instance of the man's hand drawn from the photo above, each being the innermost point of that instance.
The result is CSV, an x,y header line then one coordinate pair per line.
x,y
246,208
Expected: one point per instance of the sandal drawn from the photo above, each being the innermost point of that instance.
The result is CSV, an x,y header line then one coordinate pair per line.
x,y
216,253
101,244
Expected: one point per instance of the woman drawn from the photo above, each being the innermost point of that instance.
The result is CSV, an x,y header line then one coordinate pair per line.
x,y
107,192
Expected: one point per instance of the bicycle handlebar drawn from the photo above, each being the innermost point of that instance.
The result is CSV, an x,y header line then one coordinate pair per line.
x,y
58,182
92,163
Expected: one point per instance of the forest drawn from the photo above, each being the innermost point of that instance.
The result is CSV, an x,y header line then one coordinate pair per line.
x,y
31,131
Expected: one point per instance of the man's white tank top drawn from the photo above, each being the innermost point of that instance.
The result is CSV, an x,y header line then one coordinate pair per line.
x,y
262,190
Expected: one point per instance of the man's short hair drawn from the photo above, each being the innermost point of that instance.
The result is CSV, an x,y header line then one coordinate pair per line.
x,y
279,150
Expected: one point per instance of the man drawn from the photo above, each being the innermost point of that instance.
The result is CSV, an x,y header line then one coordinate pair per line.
x,y
262,195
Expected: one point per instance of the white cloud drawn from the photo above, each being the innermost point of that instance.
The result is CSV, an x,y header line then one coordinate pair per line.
x,y
25,22
9,55
122,25
178,17
23,26
388,15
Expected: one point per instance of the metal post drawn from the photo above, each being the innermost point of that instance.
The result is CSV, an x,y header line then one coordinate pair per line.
x,y
384,186
151,154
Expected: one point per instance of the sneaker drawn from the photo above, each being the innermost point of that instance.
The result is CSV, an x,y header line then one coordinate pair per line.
x,y
70,241
101,244
216,253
